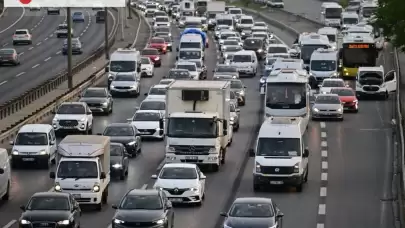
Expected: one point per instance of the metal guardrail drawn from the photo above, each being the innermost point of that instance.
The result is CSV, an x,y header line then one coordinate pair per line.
x,y
46,110
17,103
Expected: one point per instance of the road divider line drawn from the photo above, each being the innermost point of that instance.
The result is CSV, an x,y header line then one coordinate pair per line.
x,y
324,144
29,49
58,52
145,186
323,134
18,75
47,59
35,66
3,82
39,43
5,44
322,209
15,22
324,178
10,224
46,39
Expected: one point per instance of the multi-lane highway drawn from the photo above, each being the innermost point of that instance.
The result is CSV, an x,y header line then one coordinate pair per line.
x,y
43,59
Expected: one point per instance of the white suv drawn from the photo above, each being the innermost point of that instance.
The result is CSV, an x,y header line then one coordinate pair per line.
x,y
73,116
246,62
147,67
22,36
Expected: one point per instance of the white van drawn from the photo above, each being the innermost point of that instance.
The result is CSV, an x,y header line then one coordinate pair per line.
x,y
124,61
332,34
34,143
324,64
330,14
281,153
348,19
245,62
5,175
191,41
275,3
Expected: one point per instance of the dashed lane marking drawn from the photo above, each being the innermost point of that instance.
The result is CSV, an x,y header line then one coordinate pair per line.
x,y
39,43
46,39
10,224
323,134
22,53
58,52
324,144
29,49
18,75
322,209
35,66
5,44
47,59
145,186
3,82
324,178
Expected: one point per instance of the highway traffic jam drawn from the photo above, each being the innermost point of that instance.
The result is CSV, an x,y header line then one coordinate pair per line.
x,y
198,114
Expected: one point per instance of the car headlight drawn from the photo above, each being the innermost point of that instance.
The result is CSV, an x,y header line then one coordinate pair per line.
x,y
64,222
262,80
117,221
242,93
297,168
158,188
160,221
104,104
132,143
243,33
316,110
333,74
117,166
96,188
169,44
42,152
83,119
258,168
157,58
339,110
57,187
194,189
260,50
15,152
25,222
232,118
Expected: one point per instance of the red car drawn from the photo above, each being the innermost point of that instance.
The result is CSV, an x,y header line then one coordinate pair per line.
x,y
158,43
347,97
154,56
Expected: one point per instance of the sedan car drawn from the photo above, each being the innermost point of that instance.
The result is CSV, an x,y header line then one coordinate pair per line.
x,y
98,99
157,92
50,209
150,207
22,36
147,67
245,33
227,43
348,98
239,88
190,66
153,54
257,45
159,44
181,182
149,123
330,83
118,160
223,69
76,47
235,116
219,29
78,17
9,56
125,84
253,212
327,106
180,74
125,134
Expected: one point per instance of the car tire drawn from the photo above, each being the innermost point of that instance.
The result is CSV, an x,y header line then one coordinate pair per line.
x,y
7,195
256,187
122,175
236,129
299,187
215,167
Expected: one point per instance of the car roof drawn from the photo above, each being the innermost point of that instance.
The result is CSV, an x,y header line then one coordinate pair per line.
x,y
51,194
180,165
253,200
143,192
159,86
148,111
43,128
327,95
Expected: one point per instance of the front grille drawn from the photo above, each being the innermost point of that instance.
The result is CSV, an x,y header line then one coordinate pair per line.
x,y
83,200
43,224
68,123
328,110
176,191
371,88
276,170
139,224
194,150
147,131
77,189
94,104
122,87
348,104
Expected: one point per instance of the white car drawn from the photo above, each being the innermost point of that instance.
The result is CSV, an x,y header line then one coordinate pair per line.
x,y
22,36
73,116
5,175
191,67
157,92
329,83
147,67
182,183
149,123
246,62
151,104
125,84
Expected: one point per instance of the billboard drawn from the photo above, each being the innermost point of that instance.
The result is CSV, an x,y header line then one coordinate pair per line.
x,y
65,3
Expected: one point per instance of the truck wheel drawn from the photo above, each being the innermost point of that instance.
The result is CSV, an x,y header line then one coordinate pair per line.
x,y
256,187
7,195
104,197
99,206
306,176
47,163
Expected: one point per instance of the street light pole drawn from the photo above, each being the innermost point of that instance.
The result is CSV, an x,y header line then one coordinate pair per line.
x,y
129,9
107,54
69,48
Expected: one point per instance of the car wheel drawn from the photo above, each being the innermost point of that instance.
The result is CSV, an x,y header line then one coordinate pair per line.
x,y
299,187
122,175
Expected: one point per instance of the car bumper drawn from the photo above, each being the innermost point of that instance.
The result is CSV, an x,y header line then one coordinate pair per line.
x,y
99,109
123,91
291,180
81,127
327,115
211,159
186,197
17,159
370,93
150,133
86,197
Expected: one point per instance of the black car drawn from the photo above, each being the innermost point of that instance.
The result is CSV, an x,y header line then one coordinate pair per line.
x,y
143,208
100,16
126,134
253,212
98,99
50,209
257,45
118,160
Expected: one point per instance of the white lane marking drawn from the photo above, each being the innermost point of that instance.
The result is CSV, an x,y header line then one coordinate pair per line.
x,y
22,53
29,49
5,44
161,164
324,153
324,176
323,192
3,82
39,43
18,75
51,35
323,134
46,39
320,225
322,209
145,186
15,22
47,59
109,226
35,66
50,190
58,52
324,165
10,224
324,144
323,125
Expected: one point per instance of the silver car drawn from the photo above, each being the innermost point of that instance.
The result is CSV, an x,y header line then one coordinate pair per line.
x,y
98,99
235,116
327,106
223,69
125,84
228,43
240,90
230,50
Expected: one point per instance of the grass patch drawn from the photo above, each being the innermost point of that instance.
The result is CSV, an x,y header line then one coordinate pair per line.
x,y
246,4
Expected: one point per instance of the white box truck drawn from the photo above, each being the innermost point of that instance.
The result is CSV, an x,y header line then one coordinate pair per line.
x,y
214,8
198,127
83,168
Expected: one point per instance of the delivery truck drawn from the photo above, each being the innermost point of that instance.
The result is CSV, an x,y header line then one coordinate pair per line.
x,y
83,168
198,122
214,8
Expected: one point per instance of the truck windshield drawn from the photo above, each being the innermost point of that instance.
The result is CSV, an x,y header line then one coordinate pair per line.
x,y
308,49
122,66
77,169
192,128
323,65
31,138
279,147
286,95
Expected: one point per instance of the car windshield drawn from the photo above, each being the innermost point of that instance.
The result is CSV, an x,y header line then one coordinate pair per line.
x,y
6,51
145,60
236,84
122,66
189,67
119,131
141,202
190,54
333,83
327,100
251,210
48,203
146,116
95,93
179,74
252,43
241,58
157,91
226,69
21,32
162,19
343,92
178,173
116,150
60,27
153,105
323,65
77,109
350,21
165,82
150,52
277,50
230,42
77,13
124,78
157,41
31,138
246,21
279,147
77,169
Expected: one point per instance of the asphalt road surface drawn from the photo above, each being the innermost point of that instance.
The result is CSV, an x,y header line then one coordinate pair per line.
x,y
43,59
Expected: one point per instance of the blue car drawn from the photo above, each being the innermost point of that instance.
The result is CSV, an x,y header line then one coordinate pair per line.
x,y
78,17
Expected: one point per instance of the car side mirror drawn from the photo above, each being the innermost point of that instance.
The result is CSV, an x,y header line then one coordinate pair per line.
x,y
307,68
154,176
11,142
306,153
52,143
203,177
223,214
102,175
114,206
107,69
1,171
22,207
253,61
52,175
169,205
53,112
251,152
280,215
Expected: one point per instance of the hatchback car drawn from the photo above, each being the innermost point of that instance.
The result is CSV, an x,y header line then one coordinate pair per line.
x,y
22,36
330,83
78,17
98,99
154,55
159,44
327,106
348,98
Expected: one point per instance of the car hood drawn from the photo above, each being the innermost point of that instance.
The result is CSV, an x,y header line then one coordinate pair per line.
x,y
141,125
70,116
347,98
327,106
46,215
139,215
122,139
30,148
172,183
123,83
157,45
235,222
115,160
93,99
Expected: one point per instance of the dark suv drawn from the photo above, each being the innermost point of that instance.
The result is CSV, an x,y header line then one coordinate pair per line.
x,y
257,45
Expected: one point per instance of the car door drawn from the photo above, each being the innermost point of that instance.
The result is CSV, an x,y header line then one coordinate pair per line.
x,y
125,161
391,81
3,175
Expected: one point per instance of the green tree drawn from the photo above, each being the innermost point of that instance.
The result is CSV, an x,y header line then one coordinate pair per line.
x,y
390,17
344,3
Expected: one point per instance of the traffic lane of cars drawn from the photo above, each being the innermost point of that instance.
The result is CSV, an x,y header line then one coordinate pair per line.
x,y
50,62
13,18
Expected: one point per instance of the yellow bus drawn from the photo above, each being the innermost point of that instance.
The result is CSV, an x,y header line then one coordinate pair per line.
x,y
358,50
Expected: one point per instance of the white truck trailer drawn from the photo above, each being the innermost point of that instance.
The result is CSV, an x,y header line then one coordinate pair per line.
x,y
198,129
214,8
83,168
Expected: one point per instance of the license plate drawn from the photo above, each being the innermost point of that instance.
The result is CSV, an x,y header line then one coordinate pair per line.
x,y
28,159
77,196
191,157
176,199
276,182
